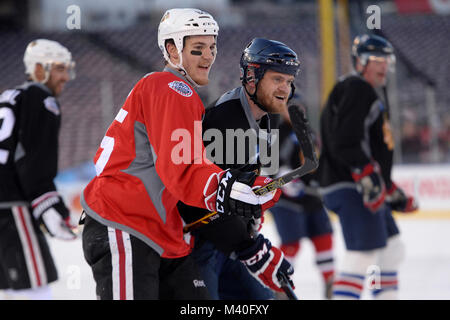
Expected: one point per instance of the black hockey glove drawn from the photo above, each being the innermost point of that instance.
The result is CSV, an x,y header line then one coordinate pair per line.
x,y
371,185
399,201
265,263
235,194
50,210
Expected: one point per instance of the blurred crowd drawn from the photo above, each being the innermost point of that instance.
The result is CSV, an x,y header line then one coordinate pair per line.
x,y
416,139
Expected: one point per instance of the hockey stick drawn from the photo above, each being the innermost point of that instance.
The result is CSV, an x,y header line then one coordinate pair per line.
x,y
301,130
286,286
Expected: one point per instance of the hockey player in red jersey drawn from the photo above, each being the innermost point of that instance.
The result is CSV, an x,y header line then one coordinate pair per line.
x,y
133,233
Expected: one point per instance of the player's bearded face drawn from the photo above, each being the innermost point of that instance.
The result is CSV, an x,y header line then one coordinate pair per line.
x,y
59,75
199,53
274,90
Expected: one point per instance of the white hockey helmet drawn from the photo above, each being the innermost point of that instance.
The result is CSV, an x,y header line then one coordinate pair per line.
x,y
46,52
179,23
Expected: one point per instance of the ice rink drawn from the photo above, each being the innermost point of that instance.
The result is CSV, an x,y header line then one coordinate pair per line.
x,y
425,273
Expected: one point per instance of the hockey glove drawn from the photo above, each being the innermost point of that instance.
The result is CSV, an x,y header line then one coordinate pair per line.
x,y
49,210
370,184
234,194
399,201
255,225
265,262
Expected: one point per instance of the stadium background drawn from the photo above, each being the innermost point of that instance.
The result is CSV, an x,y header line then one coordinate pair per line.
x,y
116,45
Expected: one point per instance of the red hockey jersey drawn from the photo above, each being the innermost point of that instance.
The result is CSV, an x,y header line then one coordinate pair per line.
x,y
140,176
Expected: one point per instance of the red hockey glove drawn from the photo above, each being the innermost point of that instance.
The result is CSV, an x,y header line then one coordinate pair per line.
x,y
234,194
399,201
371,185
265,262
50,210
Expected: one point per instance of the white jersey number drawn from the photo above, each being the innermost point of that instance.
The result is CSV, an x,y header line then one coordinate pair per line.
x,y
7,120
107,145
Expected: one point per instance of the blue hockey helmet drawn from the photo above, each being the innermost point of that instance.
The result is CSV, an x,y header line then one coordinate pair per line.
x,y
262,54
367,47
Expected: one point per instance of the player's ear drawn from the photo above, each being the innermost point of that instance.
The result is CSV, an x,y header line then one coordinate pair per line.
x,y
359,66
173,52
39,72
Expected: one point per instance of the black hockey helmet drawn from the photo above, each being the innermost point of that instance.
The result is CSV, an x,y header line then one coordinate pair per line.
x,y
261,55
366,46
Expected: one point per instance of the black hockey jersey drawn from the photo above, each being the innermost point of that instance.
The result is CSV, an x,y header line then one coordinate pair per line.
x,y
230,117
244,139
354,130
29,125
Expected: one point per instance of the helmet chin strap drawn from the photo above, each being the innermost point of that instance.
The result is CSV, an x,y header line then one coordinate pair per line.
x,y
180,67
254,98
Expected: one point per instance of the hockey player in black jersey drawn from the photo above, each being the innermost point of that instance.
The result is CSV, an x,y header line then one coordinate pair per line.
x,y
268,70
355,173
29,126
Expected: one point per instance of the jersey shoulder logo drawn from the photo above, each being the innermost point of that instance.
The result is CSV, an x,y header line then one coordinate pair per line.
x,y
51,105
181,88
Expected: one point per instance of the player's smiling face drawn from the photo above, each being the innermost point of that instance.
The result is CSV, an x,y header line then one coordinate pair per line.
x,y
198,54
59,75
274,90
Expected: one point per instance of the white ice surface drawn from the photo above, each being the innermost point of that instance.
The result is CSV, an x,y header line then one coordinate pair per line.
x,y
425,273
